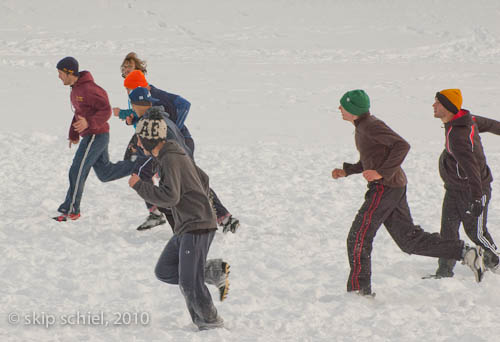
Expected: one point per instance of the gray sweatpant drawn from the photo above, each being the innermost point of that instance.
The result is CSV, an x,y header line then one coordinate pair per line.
x,y
183,262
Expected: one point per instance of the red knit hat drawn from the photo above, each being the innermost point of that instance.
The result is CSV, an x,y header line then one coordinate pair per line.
x,y
135,79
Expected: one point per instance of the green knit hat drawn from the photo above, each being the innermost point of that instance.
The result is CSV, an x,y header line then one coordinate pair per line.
x,y
356,102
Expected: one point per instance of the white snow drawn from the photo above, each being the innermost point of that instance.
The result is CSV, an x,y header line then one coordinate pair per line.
x,y
264,79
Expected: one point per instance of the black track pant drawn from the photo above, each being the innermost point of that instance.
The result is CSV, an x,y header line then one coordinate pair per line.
x,y
388,206
455,205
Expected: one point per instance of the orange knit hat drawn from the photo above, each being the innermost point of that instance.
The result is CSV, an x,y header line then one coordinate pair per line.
x,y
135,79
451,99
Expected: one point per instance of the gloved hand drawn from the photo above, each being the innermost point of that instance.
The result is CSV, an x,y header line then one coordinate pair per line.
x,y
475,208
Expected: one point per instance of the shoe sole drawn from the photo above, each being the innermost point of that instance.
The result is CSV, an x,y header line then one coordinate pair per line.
x,y
146,228
62,218
481,268
477,270
205,327
436,276
235,226
370,295
223,290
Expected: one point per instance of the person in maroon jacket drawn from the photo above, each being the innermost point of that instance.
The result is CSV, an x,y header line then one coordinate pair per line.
x,y
467,178
91,112
382,152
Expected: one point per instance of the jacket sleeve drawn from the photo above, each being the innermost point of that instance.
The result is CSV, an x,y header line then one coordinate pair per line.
x,y
487,125
351,169
167,104
182,106
166,195
462,148
397,150
204,179
101,109
125,113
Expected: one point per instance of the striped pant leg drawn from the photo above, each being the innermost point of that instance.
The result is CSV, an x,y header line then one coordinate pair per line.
x,y
477,231
78,172
377,206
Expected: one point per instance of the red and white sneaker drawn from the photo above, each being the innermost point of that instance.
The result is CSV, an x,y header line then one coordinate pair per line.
x,y
66,217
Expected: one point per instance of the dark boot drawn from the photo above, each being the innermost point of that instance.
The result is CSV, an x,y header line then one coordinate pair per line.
x,y
445,268
491,260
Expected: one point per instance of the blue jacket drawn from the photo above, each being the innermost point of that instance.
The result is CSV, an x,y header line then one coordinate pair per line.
x,y
173,132
174,105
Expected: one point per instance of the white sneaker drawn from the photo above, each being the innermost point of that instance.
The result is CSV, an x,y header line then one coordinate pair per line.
x,y
153,220
473,257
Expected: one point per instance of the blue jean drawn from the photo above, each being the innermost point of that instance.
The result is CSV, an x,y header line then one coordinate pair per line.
x,y
92,152
183,262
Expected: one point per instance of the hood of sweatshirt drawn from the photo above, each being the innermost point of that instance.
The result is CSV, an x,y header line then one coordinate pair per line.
x,y
84,77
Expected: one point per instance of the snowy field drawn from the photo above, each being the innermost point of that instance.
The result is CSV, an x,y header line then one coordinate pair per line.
x,y
264,79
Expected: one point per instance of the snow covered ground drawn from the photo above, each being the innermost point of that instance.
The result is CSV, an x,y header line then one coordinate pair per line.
x,y
264,79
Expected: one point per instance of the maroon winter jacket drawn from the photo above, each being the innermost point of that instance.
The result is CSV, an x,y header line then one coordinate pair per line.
x,y
91,102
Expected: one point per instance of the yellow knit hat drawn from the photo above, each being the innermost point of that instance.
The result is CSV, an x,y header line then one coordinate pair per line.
x,y
451,99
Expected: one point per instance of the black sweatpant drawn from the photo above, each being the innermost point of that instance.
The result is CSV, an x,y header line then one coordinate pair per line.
x,y
183,262
455,206
388,206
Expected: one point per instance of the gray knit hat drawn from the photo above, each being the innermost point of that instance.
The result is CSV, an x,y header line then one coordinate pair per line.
x,y
151,129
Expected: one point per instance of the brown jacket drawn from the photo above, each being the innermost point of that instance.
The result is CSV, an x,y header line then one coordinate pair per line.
x,y
380,149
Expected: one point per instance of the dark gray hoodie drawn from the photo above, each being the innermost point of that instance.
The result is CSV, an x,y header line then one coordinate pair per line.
x,y
183,187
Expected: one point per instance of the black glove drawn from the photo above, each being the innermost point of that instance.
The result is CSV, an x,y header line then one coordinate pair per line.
x,y
475,208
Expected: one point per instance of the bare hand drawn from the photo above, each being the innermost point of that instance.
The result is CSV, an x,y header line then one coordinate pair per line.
x,y
133,179
338,173
371,175
81,124
132,148
73,142
130,119
116,111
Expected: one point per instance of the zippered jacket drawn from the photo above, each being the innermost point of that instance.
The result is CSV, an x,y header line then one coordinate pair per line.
x,y
91,102
462,165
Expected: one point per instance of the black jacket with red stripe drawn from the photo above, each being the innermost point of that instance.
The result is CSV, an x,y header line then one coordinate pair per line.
x,y
462,164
